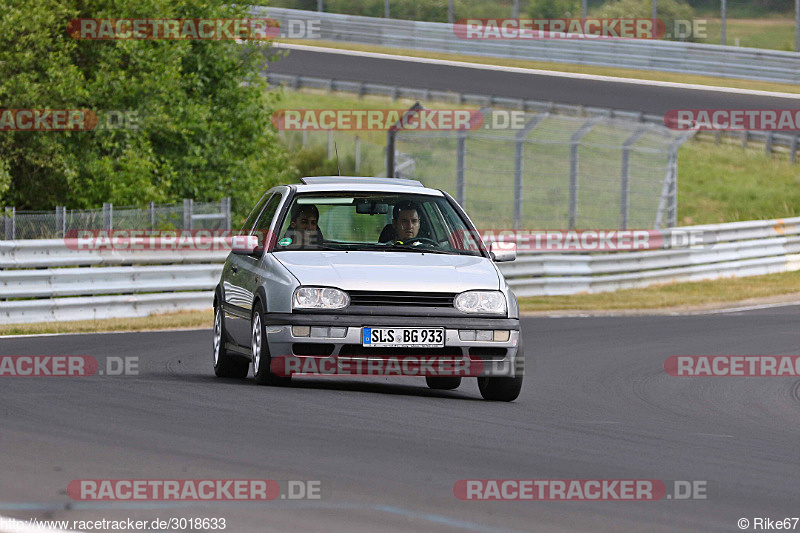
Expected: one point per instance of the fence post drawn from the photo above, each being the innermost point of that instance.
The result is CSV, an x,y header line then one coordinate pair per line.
x,y
188,206
152,215
390,143
625,181
461,153
358,156
793,155
225,205
330,144
519,140
10,223
573,168
108,216
61,221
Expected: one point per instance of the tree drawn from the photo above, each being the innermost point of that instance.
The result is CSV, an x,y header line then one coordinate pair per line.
x,y
200,106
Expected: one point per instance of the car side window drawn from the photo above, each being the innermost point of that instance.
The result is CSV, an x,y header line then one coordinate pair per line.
x,y
251,219
265,220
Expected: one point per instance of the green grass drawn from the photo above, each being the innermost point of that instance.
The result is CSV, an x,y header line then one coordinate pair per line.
x,y
675,295
771,33
724,183
167,321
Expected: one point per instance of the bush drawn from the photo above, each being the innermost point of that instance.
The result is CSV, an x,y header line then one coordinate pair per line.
x,y
554,9
668,11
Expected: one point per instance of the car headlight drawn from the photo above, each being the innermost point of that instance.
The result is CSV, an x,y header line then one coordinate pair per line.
x,y
491,302
319,298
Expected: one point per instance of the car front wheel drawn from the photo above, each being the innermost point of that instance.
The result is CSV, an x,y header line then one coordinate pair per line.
x,y
502,389
226,365
261,355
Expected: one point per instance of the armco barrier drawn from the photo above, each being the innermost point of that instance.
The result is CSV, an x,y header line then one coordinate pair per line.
x,y
666,56
44,280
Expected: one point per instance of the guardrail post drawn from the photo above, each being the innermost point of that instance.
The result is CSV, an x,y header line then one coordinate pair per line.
x,y
188,207
461,154
573,168
793,154
303,138
330,144
225,207
768,143
10,223
625,178
61,221
108,216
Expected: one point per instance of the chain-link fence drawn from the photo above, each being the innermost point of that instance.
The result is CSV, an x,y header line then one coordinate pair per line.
x,y
56,224
553,171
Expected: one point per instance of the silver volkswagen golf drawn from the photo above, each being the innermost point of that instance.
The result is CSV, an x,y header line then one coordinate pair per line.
x,y
367,276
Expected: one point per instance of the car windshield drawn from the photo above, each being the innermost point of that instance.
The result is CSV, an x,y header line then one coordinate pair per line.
x,y
375,222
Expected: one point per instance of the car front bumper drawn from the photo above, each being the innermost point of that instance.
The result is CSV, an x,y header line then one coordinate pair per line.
x,y
343,354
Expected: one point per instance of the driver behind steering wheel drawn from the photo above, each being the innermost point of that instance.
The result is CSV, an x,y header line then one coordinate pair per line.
x,y
405,221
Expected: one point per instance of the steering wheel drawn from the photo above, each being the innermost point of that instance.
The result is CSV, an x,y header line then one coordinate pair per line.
x,y
421,240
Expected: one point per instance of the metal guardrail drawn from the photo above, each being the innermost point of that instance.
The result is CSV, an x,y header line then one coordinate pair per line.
x,y
742,249
186,280
665,56
773,142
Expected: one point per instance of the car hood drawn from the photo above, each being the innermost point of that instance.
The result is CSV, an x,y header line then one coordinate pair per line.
x,y
391,271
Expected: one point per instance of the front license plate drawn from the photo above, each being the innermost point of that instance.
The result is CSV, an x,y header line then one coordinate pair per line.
x,y
403,337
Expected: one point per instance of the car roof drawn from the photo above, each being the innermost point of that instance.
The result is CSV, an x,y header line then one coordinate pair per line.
x,y
364,184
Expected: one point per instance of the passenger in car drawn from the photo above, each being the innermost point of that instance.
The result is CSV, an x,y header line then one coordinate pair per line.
x,y
303,229
405,223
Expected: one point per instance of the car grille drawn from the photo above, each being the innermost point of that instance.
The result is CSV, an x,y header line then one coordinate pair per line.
x,y
406,299
352,350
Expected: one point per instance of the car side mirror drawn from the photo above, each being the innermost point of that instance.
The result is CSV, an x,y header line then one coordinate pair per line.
x,y
244,244
502,252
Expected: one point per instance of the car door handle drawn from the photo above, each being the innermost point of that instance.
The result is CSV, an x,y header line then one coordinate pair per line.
x,y
234,269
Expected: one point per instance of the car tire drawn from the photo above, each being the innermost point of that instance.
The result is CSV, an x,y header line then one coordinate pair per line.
x,y
502,389
443,382
226,365
260,350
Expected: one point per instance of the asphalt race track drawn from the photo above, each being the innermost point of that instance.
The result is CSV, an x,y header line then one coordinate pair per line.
x,y
594,93
388,451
